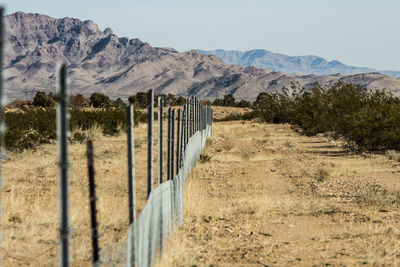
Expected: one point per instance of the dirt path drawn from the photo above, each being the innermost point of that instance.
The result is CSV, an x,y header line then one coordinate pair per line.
x,y
271,197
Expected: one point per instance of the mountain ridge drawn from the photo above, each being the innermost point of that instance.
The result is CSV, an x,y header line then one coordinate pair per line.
x,y
309,64
100,61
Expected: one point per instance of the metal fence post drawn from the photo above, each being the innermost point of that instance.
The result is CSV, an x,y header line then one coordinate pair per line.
x,y
169,145
160,140
198,114
62,134
172,144
178,140
195,115
131,163
131,257
150,142
92,199
185,127
182,151
2,124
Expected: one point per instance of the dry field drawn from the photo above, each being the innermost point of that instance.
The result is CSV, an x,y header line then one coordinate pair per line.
x,y
270,197
29,198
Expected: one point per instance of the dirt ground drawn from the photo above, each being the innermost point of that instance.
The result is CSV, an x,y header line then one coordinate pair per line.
x,y
268,196
271,197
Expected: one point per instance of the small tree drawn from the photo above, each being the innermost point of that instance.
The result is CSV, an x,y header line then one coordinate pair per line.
x,y
41,100
78,100
98,100
218,102
244,104
118,103
229,100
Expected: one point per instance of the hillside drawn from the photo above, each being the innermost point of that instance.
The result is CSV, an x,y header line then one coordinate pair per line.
x,y
100,61
291,64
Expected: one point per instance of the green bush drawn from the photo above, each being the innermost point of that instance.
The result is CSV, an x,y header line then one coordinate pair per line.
x,y
29,129
41,100
247,116
367,120
98,100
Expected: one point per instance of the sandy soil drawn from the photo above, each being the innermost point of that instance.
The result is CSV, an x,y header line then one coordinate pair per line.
x,y
270,197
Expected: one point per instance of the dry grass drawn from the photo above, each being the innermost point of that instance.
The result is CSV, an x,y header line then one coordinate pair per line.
x,y
292,201
29,221
267,196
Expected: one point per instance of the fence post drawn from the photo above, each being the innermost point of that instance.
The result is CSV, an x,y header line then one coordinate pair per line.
x,y
201,117
130,122
182,150
150,142
2,124
185,127
172,144
160,140
192,117
197,114
62,134
169,145
178,140
92,199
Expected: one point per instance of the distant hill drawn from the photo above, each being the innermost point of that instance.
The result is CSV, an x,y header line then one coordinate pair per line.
x,y
291,64
100,61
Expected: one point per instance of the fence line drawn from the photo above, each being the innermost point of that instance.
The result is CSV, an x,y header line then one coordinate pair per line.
x,y
164,208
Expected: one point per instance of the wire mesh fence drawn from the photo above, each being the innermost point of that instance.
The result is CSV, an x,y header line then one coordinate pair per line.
x,y
164,208
187,130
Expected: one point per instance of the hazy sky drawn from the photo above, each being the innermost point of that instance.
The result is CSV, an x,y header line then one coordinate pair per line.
x,y
357,32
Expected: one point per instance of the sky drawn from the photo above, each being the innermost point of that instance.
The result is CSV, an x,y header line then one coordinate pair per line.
x,y
362,33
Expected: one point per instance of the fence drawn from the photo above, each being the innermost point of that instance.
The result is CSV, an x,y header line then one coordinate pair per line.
x,y
163,210
186,136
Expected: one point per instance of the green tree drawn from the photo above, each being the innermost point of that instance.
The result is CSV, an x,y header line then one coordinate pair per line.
x,y
41,100
98,100
229,101
118,103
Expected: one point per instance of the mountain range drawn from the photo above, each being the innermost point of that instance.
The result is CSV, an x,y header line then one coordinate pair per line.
x,y
100,61
261,58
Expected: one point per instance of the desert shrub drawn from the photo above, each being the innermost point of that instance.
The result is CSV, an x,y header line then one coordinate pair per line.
x,y
19,140
78,101
20,104
98,100
34,127
118,103
41,100
204,158
393,155
78,137
244,104
366,120
321,175
247,116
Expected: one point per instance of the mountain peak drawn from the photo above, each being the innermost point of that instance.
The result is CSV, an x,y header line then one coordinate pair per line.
x,y
291,64
100,61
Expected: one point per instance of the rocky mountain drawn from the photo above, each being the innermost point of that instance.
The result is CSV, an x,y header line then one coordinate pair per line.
x,y
100,61
291,64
